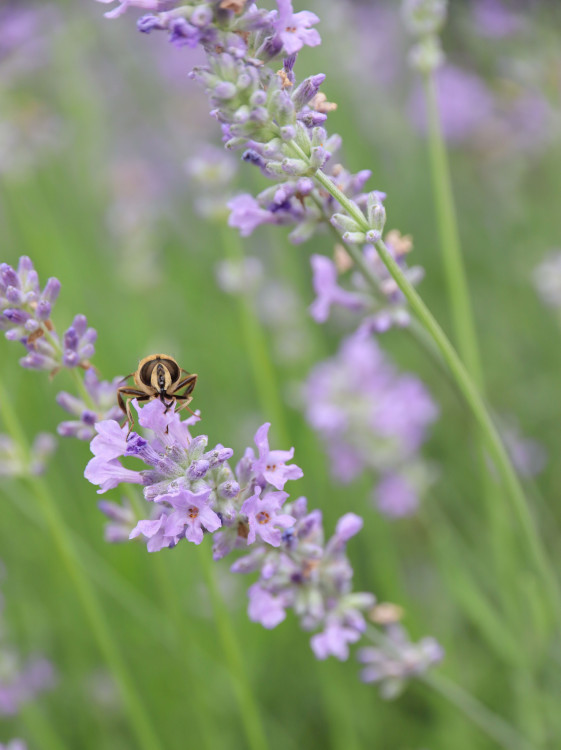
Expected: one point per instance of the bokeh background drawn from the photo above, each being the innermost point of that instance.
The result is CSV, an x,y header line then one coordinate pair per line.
x,y
97,127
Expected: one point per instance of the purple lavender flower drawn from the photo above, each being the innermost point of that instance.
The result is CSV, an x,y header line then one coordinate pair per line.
x,y
495,20
264,518
21,682
378,314
271,466
246,214
335,639
265,608
180,470
191,512
14,745
155,532
397,660
103,396
328,292
368,415
78,343
311,577
294,29
121,520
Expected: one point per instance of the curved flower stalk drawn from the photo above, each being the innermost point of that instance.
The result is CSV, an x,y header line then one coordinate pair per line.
x,y
194,492
25,316
277,122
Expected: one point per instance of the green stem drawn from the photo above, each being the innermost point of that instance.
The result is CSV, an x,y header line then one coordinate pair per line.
x,y
463,322
141,725
489,722
40,729
465,383
251,718
458,292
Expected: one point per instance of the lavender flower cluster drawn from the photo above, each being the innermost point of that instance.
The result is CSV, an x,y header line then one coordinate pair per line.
x,y
377,314
396,659
20,679
370,417
193,491
25,316
277,122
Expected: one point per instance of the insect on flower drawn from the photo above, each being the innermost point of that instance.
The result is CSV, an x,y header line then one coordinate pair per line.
x,y
158,376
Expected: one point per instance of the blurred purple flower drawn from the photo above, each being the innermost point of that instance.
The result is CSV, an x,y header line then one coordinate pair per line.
x,y
103,396
368,415
246,214
464,103
395,496
397,659
495,20
121,520
20,683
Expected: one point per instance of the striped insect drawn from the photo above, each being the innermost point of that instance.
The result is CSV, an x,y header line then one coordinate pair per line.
x,y
158,376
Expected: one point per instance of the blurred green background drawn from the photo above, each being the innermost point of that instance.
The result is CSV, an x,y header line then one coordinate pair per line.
x,y
96,125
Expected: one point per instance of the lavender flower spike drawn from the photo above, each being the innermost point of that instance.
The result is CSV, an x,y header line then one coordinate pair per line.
x,y
79,343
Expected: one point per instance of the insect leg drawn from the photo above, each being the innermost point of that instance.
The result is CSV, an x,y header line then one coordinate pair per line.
x,y
188,383
125,406
186,400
